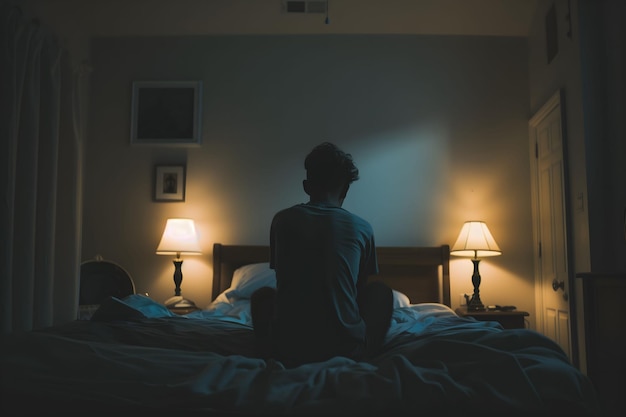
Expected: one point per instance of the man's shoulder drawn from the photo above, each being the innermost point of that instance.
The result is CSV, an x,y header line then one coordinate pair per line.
x,y
363,224
355,217
288,214
288,210
357,222
336,212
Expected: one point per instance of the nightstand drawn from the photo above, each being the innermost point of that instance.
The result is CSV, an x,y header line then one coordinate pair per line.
x,y
508,319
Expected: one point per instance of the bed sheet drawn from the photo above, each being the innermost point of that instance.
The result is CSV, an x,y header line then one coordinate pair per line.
x,y
153,361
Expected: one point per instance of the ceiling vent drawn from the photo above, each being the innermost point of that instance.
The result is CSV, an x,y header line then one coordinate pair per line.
x,y
305,6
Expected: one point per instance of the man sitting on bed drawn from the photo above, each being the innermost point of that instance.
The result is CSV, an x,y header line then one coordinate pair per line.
x,y
322,254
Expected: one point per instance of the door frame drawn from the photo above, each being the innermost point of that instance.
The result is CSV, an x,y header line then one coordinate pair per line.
x,y
556,100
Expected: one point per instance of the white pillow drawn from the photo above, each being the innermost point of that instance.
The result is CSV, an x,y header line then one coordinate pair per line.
x,y
400,299
249,278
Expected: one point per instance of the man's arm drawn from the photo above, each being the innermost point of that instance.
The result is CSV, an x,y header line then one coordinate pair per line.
x,y
368,267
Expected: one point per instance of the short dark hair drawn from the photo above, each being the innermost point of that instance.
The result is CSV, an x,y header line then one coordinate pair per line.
x,y
327,165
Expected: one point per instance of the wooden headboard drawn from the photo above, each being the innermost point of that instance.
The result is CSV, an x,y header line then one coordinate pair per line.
x,y
422,273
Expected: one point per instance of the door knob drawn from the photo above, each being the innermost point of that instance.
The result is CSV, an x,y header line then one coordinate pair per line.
x,y
556,284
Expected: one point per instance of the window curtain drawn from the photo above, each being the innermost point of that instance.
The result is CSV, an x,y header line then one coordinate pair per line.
x,y
40,150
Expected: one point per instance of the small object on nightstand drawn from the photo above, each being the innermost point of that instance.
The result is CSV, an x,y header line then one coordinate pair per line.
x,y
500,308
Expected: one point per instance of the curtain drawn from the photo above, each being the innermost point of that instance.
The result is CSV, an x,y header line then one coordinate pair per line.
x,y
39,178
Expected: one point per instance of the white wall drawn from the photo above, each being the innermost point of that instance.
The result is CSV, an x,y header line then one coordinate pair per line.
x,y
437,126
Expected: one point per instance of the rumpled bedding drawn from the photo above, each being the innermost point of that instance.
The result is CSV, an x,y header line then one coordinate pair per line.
x,y
136,356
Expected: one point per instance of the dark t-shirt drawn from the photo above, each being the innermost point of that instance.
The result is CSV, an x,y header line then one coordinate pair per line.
x,y
320,254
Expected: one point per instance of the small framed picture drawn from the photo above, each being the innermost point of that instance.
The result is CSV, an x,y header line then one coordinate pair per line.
x,y
166,113
169,184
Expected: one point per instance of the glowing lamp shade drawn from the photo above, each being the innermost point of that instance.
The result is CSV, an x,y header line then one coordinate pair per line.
x,y
179,237
475,241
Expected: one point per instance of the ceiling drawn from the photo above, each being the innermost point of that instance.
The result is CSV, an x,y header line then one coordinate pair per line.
x,y
197,17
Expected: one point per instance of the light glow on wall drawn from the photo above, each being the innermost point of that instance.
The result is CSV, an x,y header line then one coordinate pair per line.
x,y
412,163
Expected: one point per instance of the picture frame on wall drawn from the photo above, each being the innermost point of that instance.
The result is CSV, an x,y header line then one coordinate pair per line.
x,y
169,183
166,113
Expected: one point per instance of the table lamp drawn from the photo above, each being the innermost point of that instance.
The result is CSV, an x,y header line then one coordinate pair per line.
x,y
476,241
179,238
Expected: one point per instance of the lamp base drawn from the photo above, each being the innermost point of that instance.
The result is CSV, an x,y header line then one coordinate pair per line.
x,y
179,301
475,305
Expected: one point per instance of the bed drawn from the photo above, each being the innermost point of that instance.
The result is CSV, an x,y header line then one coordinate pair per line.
x,y
135,356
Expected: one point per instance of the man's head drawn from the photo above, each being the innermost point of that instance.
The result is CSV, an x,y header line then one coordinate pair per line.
x,y
329,170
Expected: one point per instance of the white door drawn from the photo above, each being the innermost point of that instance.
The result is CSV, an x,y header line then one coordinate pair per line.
x,y
548,176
